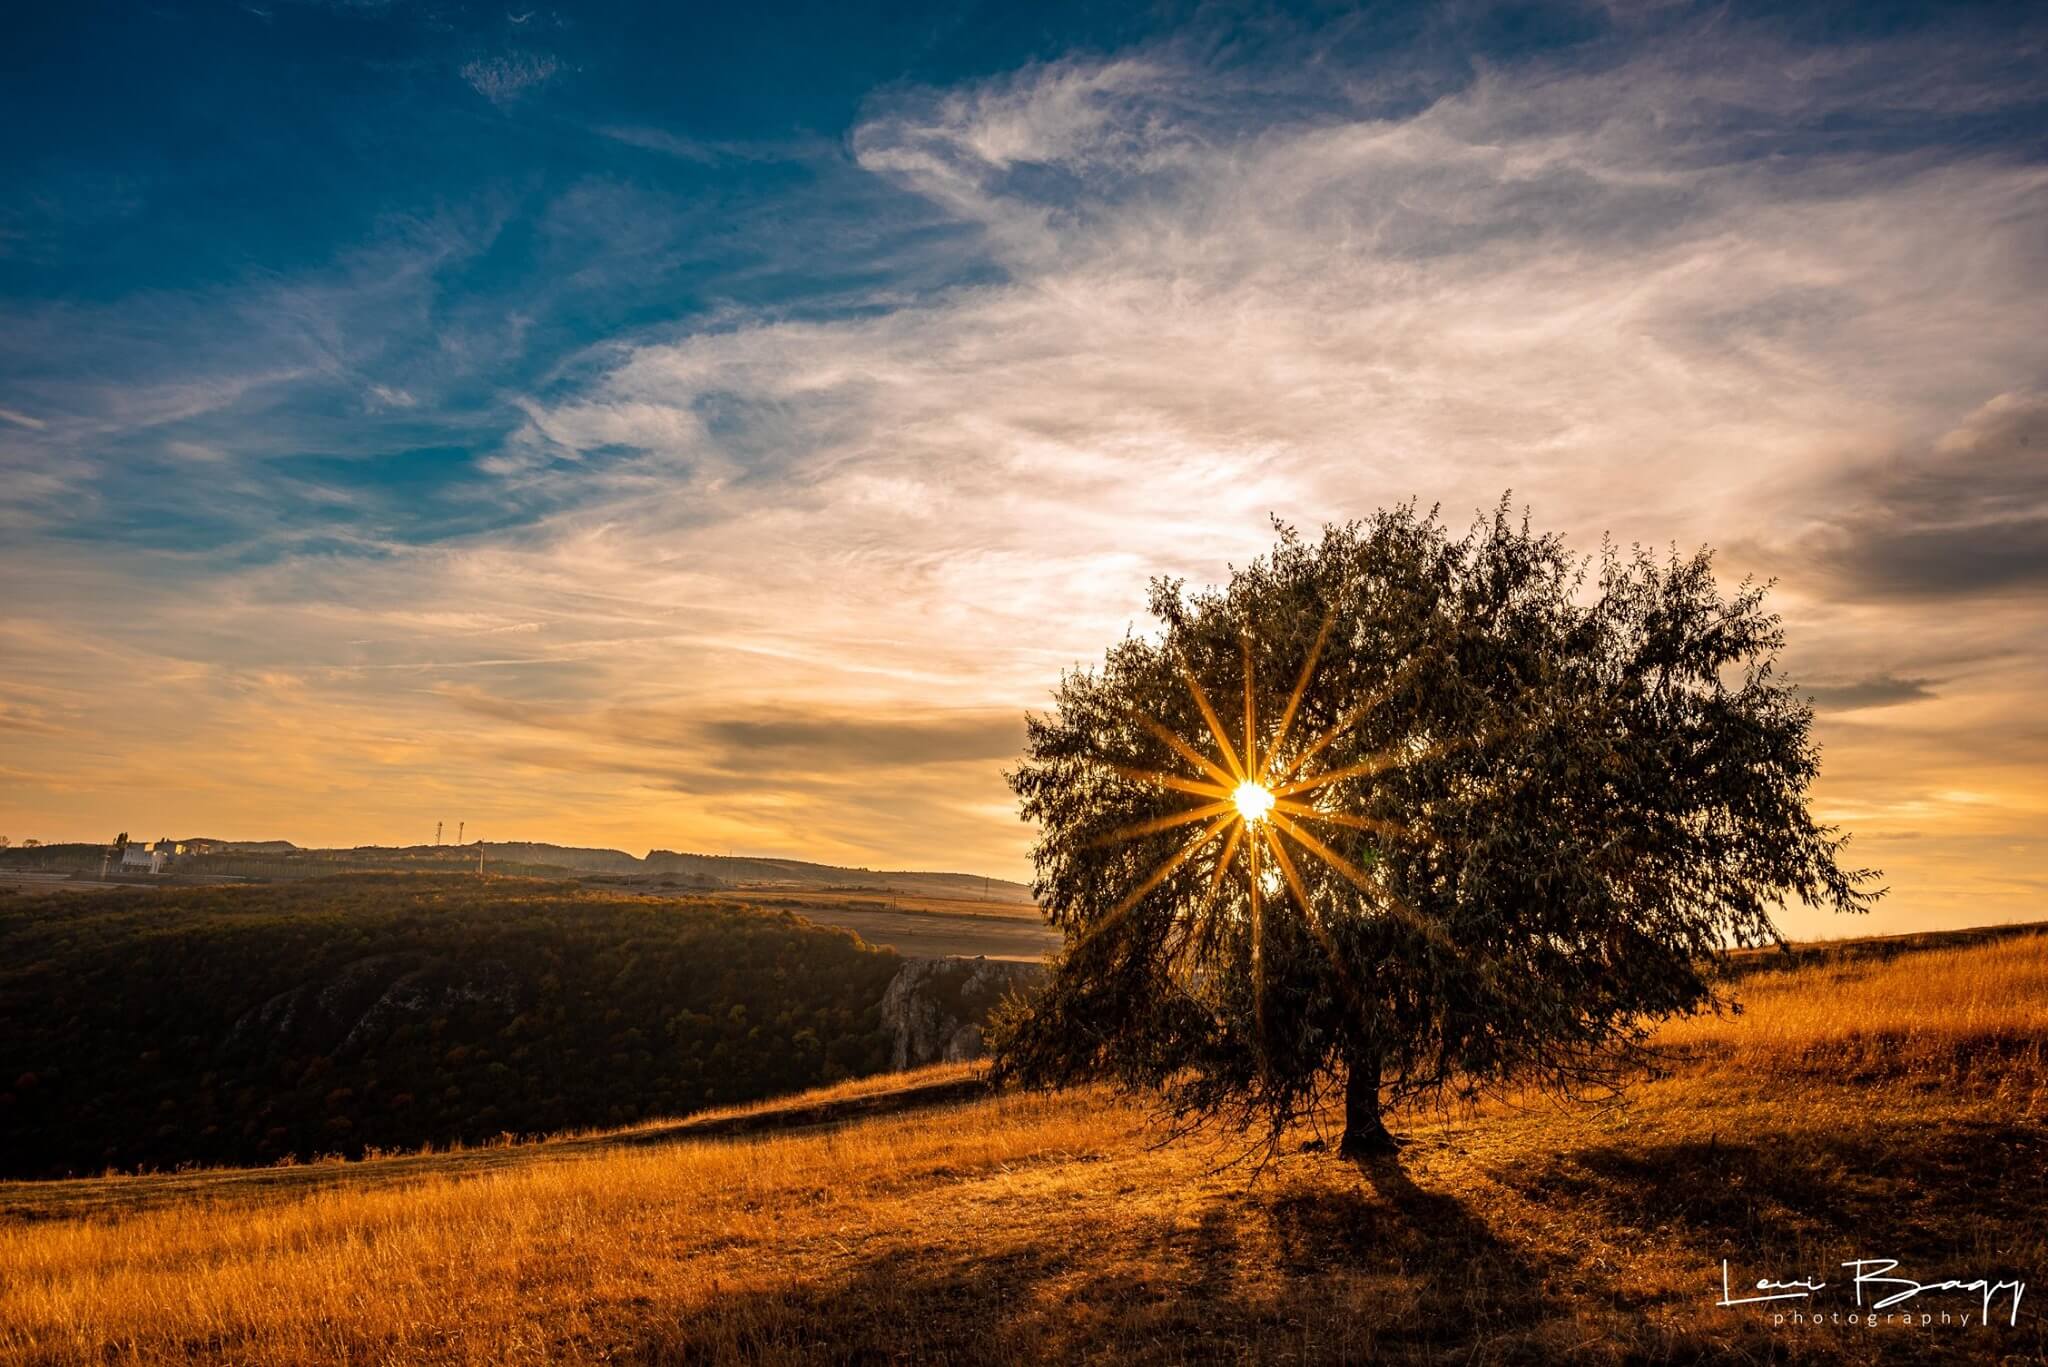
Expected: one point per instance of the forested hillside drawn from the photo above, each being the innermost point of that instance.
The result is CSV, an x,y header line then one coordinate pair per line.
x,y
251,1024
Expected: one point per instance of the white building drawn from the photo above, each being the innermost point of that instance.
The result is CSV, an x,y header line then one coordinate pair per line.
x,y
140,858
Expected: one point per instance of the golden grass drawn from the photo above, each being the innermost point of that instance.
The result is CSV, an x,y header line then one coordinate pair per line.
x,y
927,904
503,1265
839,1093
1933,1012
1023,1228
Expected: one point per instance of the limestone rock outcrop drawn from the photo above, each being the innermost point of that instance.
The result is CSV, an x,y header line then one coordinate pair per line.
x,y
936,1008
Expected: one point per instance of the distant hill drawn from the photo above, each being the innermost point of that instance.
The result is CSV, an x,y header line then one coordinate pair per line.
x,y
739,871
1860,951
271,859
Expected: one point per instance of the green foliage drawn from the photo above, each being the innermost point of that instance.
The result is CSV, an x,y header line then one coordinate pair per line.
x,y
246,1025
1574,787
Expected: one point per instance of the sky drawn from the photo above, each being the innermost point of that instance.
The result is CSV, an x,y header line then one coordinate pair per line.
x,y
713,427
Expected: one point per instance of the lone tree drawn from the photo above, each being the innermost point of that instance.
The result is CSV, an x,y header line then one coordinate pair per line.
x,y
1434,812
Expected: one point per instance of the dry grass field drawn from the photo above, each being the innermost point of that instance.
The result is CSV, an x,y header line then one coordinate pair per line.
x,y
1933,1013
922,926
1893,1108
979,908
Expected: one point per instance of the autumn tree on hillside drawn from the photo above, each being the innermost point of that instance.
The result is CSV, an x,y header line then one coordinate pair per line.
x,y
1419,811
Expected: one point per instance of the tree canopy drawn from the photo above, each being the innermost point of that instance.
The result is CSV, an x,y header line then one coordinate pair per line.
x,y
1429,812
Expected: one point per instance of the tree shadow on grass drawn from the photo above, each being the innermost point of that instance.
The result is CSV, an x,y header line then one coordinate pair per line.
x,y
1962,1199
909,1305
1386,1271
1394,1265
1393,1270
1164,1291
1927,1191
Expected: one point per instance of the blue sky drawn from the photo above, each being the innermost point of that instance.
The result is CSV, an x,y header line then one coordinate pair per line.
x,y
710,427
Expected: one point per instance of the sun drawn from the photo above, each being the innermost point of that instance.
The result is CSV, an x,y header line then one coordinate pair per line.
x,y
1259,797
1254,800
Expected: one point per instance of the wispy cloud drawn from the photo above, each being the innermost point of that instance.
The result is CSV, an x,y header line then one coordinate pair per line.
x,y
1965,519
1718,289
665,142
1580,286
1878,690
506,77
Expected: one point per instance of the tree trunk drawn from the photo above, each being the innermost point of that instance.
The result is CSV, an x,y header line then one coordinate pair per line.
x,y
1365,1134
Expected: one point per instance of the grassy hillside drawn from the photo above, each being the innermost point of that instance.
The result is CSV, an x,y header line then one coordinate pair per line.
x,y
1858,1108
249,1024
923,927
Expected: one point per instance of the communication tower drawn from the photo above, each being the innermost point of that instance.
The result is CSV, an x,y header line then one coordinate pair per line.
x,y
114,852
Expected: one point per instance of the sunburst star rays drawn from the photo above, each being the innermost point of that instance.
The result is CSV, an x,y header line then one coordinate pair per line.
x,y
1252,800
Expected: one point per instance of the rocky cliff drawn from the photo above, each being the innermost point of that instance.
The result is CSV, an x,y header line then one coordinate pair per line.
x,y
935,1008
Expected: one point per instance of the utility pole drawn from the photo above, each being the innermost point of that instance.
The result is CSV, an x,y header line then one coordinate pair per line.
x,y
458,831
479,858
437,832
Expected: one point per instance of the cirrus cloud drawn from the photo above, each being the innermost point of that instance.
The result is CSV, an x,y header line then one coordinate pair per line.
x,y
1708,288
